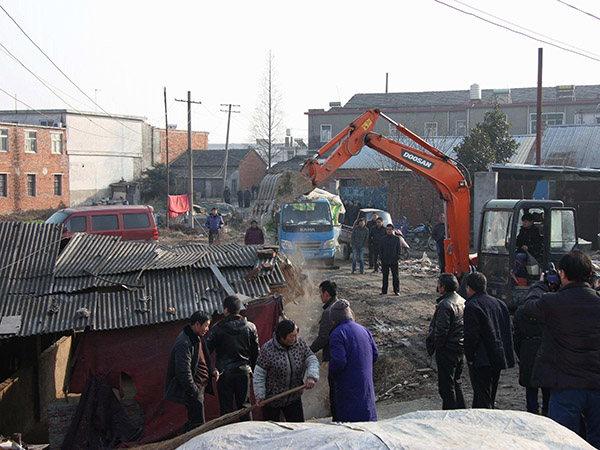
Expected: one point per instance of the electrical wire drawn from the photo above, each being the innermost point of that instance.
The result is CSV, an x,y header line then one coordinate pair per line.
x,y
65,75
491,22
578,9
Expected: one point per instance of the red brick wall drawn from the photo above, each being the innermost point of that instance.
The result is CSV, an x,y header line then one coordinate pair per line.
x,y
44,165
178,143
252,170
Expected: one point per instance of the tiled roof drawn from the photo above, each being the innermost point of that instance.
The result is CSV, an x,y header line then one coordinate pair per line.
x,y
572,146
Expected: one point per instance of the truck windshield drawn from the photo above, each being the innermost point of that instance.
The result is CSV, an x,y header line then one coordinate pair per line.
x,y
57,217
306,213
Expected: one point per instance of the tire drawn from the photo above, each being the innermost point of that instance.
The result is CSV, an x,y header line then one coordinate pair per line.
x,y
345,252
329,262
404,254
431,245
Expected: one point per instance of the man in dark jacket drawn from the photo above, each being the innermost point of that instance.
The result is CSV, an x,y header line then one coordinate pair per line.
x,y
360,238
569,359
389,248
328,293
527,335
247,198
528,241
190,370
227,195
438,233
240,196
375,235
214,222
235,341
488,340
254,235
446,340
370,224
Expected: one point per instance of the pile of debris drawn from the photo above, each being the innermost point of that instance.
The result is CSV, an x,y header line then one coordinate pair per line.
x,y
422,267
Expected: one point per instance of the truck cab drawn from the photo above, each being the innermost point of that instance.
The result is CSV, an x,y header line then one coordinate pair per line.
x,y
497,249
306,229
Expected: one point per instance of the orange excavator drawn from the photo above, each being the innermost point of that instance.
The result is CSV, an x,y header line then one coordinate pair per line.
x,y
431,163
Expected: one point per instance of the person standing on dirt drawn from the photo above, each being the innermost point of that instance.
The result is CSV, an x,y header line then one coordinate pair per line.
x,y
488,340
389,248
350,216
569,359
235,342
247,197
227,195
328,293
360,238
353,353
446,340
254,235
375,236
214,222
438,234
240,196
370,224
190,371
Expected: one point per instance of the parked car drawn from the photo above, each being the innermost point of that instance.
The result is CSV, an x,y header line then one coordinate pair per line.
x,y
130,222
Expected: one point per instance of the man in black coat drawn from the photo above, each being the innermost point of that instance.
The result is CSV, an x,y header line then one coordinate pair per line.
x,y
370,224
488,340
247,198
240,196
328,294
235,342
527,335
190,370
569,359
375,236
389,248
438,233
446,340
227,195
529,241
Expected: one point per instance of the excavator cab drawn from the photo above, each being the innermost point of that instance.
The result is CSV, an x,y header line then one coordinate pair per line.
x,y
511,271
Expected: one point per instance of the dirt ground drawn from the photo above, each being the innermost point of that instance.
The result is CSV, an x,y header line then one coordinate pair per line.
x,y
405,376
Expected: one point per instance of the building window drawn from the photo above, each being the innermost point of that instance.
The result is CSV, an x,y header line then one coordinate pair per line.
x,y
431,129
56,139
3,185
325,133
461,127
3,139
31,141
547,119
58,184
31,185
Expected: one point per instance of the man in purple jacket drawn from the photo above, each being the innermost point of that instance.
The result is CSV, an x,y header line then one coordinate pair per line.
x,y
214,222
353,353
254,235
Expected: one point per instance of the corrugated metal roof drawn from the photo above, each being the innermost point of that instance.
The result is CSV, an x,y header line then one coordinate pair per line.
x,y
572,146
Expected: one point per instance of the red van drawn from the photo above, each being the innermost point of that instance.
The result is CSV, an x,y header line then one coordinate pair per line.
x,y
131,222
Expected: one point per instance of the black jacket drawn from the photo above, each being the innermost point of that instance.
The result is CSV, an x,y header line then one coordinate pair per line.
x,y
527,333
376,234
438,233
389,249
532,239
180,384
235,342
488,335
569,357
321,342
446,331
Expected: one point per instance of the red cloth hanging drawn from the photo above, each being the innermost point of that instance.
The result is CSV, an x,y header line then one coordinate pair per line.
x,y
178,204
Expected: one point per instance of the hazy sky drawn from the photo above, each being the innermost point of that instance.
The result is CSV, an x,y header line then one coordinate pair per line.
x,y
324,51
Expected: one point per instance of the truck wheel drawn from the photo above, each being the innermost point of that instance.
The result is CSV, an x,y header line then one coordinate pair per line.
x,y
404,254
345,252
330,261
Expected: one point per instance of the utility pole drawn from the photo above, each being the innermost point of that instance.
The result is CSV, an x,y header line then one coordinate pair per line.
x,y
167,147
190,155
538,130
229,111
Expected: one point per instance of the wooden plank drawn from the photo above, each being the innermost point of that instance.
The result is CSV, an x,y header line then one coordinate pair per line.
x,y
228,289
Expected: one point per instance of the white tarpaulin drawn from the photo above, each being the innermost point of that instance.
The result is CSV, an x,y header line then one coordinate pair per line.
x,y
460,429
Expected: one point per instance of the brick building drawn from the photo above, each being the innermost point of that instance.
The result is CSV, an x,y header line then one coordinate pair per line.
x,y
34,168
178,143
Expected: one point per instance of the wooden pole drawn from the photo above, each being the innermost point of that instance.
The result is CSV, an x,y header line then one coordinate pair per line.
x,y
538,130
167,148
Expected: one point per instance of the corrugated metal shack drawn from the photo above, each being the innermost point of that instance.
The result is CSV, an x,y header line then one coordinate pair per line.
x,y
106,287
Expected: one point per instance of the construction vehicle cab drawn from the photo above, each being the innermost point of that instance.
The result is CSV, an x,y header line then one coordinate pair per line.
x,y
497,249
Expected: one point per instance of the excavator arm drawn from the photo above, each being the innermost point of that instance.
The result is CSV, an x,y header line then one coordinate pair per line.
x,y
430,163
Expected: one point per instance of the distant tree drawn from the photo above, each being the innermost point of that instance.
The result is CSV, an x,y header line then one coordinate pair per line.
x,y
154,183
267,125
488,143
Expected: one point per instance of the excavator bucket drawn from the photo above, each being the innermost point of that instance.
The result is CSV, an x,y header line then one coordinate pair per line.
x,y
279,188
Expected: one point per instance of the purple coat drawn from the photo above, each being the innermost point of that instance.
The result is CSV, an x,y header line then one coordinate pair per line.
x,y
353,353
254,236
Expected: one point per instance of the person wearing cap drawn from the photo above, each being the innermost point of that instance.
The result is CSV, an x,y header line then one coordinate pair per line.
x,y
360,237
527,338
353,353
529,241
254,235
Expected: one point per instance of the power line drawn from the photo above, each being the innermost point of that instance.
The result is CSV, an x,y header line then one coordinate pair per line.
x,y
517,31
577,9
526,29
64,74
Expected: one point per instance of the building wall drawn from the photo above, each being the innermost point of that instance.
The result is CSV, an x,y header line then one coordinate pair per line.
x,y
17,164
252,170
178,143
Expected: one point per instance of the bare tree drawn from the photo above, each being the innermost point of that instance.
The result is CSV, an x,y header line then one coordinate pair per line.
x,y
267,125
